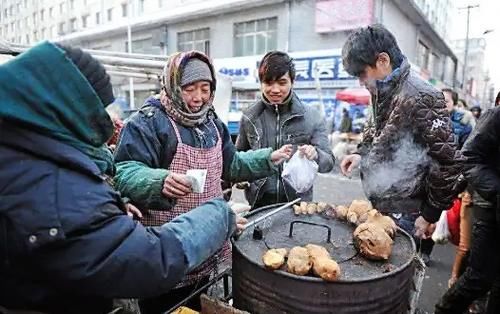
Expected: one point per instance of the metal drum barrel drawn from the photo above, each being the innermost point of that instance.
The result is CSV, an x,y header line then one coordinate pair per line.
x,y
365,286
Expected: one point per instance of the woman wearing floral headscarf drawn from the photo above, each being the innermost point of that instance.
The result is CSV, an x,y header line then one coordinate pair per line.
x,y
174,132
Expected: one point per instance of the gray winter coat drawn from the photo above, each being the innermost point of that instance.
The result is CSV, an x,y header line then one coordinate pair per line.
x,y
265,125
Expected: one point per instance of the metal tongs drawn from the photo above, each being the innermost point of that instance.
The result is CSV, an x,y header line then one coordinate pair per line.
x,y
273,212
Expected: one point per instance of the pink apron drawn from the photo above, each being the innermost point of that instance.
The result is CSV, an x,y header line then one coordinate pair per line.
x,y
185,158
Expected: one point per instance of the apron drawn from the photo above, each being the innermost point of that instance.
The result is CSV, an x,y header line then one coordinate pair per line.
x,y
185,158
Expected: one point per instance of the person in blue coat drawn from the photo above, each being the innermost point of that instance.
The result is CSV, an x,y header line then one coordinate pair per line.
x,y
66,244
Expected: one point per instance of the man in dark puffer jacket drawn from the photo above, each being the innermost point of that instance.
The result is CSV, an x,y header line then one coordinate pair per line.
x,y
482,165
408,157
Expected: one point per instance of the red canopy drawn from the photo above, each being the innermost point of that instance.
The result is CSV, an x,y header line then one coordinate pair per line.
x,y
354,95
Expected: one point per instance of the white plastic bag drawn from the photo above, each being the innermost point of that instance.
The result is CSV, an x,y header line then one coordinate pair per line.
x,y
442,233
300,173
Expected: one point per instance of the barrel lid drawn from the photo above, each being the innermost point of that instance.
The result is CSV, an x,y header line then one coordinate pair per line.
x,y
286,230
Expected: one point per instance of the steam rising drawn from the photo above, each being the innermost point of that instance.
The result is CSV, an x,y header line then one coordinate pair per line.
x,y
398,174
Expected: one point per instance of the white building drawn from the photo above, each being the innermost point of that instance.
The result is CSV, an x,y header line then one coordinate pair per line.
x,y
236,33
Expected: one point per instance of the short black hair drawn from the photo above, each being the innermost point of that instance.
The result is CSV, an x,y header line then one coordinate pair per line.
x,y
365,44
454,94
463,102
497,100
274,65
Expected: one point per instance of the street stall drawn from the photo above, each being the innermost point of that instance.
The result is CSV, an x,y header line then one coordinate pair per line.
x,y
359,283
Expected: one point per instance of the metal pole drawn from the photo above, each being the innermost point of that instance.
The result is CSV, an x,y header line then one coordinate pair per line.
x,y
466,53
129,38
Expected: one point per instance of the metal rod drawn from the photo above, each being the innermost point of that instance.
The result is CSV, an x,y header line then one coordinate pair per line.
x,y
466,53
224,274
253,222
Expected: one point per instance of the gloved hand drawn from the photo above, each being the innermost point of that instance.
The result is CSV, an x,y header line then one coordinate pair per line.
x,y
203,230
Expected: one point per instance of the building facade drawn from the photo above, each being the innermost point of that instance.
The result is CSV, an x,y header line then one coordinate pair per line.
x,y
236,33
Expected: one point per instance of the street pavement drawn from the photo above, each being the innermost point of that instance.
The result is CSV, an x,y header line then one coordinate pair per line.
x,y
336,189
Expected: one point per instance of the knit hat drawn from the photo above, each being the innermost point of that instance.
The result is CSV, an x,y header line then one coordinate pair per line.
x,y
195,70
93,71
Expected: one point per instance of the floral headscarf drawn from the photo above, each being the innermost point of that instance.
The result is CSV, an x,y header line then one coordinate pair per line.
x,y
171,93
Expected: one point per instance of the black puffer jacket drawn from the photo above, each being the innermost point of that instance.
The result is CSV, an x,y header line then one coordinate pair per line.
x,y
482,153
409,160
264,125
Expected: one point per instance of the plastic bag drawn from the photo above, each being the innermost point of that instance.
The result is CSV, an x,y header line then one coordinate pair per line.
x,y
442,233
300,173
453,215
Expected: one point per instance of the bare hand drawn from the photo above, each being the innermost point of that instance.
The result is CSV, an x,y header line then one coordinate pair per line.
x,y
308,151
282,154
176,185
132,211
452,281
423,229
240,224
349,163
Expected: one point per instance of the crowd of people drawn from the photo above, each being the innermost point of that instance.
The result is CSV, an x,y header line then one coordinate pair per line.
x,y
81,227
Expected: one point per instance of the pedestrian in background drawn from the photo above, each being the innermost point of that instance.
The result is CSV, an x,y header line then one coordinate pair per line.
x,y
482,164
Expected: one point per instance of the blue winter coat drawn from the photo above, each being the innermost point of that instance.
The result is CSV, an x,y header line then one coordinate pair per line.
x,y
66,245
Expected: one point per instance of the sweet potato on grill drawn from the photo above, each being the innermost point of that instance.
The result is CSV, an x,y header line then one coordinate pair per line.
x,y
274,258
372,241
341,212
299,262
357,209
326,268
385,222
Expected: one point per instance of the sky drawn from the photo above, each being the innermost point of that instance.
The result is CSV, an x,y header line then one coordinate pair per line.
x,y
485,17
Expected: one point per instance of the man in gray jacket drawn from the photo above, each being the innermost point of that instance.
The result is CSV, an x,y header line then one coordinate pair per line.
x,y
280,118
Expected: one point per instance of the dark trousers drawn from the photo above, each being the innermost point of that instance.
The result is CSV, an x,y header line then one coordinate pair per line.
x,y
483,271
407,223
164,302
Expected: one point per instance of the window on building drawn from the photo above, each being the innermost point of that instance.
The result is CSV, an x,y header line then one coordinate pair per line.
x,y
142,46
11,10
85,20
43,33
61,8
51,12
423,55
61,28
124,10
255,37
5,13
72,25
141,6
72,4
110,15
25,4
194,40
18,8
52,31
98,18
35,16
436,66
35,36
1,31
160,3
42,15
27,39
